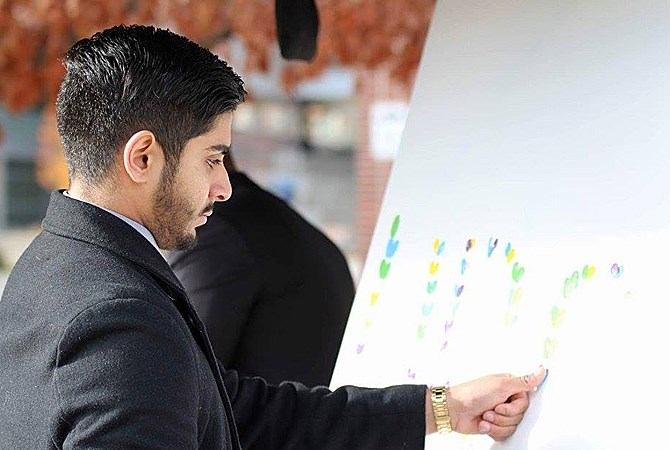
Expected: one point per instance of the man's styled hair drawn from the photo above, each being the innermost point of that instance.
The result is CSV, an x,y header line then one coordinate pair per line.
x,y
131,78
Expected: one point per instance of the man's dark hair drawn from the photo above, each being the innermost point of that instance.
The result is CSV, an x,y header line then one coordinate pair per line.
x,y
131,78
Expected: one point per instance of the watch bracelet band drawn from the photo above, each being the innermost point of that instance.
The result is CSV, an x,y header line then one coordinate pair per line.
x,y
438,396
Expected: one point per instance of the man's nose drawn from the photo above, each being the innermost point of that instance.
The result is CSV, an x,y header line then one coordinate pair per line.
x,y
221,189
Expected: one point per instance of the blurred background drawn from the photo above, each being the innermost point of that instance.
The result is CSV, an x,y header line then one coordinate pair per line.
x,y
320,129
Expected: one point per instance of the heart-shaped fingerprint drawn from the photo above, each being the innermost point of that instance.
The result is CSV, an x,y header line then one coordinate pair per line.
x,y
392,247
430,288
514,296
588,272
411,374
549,347
458,290
557,315
374,297
448,324
434,267
493,243
395,226
438,247
421,331
570,284
508,248
368,323
616,270
470,245
464,266
444,346
517,272
384,268
426,309
359,348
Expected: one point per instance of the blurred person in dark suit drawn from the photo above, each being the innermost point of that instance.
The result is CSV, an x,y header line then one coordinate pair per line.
x,y
272,290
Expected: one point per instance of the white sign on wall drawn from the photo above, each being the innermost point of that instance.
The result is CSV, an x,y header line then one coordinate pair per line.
x,y
387,122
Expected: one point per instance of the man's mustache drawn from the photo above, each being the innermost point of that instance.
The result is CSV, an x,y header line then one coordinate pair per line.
x,y
208,209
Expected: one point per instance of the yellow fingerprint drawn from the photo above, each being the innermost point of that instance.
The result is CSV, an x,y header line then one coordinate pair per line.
x,y
549,347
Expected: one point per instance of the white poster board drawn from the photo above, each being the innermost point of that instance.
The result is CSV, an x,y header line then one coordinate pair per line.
x,y
526,221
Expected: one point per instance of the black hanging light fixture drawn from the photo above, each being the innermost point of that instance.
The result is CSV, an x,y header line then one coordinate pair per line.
x,y
297,28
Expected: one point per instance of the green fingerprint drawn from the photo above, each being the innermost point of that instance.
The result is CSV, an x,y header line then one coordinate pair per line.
x,y
384,268
517,272
570,284
395,226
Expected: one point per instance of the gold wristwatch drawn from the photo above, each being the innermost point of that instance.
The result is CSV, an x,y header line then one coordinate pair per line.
x,y
438,396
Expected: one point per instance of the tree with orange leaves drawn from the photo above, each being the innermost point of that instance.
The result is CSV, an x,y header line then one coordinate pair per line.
x,y
34,34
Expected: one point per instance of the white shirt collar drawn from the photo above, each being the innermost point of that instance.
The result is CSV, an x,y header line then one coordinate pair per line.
x,y
144,231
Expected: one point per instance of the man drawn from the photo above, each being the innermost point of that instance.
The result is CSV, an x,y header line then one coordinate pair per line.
x,y
273,292
99,345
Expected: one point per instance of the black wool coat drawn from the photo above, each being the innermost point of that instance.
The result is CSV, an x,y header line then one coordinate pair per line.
x,y
100,348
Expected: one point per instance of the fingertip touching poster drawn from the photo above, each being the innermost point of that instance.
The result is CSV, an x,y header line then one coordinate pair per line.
x,y
526,221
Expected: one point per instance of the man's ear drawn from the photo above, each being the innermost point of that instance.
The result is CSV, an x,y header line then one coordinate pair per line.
x,y
142,157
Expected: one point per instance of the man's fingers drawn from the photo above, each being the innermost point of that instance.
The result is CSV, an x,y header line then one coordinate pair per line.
x,y
502,420
531,381
498,433
516,404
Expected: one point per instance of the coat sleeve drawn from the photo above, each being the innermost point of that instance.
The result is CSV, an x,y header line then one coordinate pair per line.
x,y
292,416
118,387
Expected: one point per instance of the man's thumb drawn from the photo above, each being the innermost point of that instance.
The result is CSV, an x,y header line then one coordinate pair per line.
x,y
532,381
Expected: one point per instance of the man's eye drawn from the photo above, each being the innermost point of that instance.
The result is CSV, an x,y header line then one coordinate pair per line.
x,y
214,162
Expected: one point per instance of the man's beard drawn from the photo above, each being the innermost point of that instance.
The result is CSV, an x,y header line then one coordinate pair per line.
x,y
172,214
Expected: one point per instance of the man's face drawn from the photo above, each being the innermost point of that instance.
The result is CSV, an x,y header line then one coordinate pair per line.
x,y
184,201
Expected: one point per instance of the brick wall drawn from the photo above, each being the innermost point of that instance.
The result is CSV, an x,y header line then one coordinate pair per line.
x,y
371,174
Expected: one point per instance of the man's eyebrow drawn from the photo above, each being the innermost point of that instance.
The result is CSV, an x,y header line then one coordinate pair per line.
x,y
218,148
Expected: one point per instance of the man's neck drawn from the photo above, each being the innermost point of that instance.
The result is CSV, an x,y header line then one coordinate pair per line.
x,y
86,194
102,201
111,198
